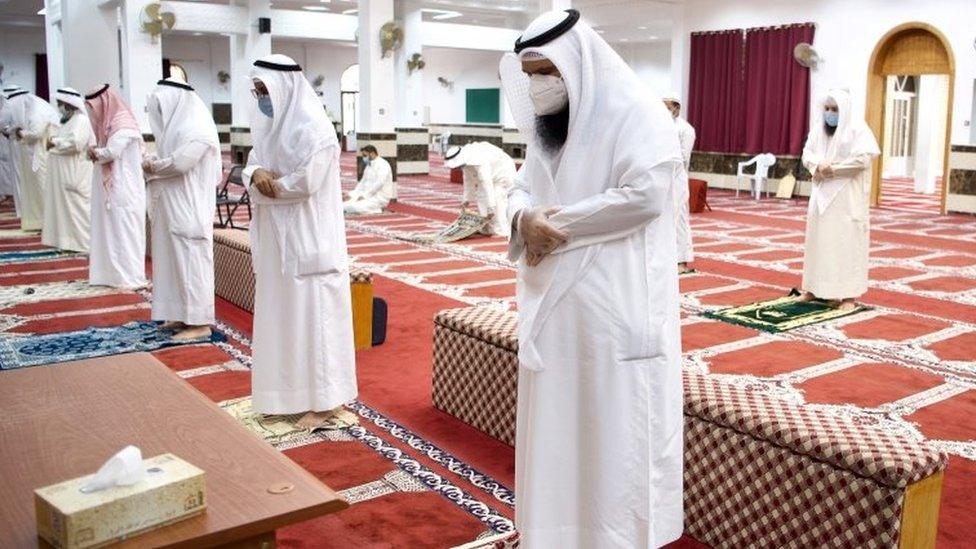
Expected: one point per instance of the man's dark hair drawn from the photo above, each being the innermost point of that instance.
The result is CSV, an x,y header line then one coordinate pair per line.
x,y
369,149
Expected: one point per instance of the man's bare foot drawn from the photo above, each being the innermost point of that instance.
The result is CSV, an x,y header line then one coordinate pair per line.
x,y
847,305
807,296
173,326
311,420
192,332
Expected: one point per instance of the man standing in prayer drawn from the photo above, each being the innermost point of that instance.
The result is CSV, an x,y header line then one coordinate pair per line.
x,y
303,340
376,188
838,152
118,220
67,202
489,175
8,153
598,451
686,138
183,175
36,121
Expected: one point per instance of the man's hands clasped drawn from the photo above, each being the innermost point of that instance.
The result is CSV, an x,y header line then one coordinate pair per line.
x,y
541,237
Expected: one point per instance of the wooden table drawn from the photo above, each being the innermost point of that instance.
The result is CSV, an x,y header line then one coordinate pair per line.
x,y
63,421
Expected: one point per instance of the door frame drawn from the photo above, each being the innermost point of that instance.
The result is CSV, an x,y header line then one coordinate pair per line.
x,y
876,102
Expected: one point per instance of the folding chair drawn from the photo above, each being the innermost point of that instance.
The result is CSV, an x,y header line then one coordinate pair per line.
x,y
227,203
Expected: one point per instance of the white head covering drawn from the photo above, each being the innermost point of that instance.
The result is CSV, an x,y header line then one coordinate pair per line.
x,y
7,90
454,157
618,129
852,137
299,128
178,116
72,97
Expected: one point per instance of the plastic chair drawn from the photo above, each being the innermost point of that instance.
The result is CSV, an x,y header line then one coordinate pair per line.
x,y
756,180
230,202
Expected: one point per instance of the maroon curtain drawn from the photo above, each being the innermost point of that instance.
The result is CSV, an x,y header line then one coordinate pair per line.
x,y
777,91
41,88
716,90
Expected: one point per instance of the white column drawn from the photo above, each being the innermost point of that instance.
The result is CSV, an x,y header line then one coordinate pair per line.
x,y
930,131
90,45
244,50
410,86
376,74
680,56
551,5
142,60
53,45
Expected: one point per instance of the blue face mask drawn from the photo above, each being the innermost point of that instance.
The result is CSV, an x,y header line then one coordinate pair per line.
x,y
831,118
264,105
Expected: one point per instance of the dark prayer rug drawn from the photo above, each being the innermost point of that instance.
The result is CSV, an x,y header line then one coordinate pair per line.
x,y
782,314
467,225
35,350
34,255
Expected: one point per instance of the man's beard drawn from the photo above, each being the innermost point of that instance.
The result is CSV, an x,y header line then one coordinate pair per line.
x,y
552,130
829,129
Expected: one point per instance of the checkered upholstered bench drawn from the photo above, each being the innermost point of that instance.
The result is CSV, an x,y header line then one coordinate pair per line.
x,y
759,472
234,281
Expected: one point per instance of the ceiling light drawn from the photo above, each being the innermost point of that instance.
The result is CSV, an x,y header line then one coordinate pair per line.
x,y
624,39
601,31
43,11
315,8
440,15
198,34
352,11
642,28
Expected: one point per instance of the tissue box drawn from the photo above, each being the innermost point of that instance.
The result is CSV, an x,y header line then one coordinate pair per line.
x,y
171,491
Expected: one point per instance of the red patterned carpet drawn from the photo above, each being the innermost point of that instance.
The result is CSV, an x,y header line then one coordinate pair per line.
x,y
422,479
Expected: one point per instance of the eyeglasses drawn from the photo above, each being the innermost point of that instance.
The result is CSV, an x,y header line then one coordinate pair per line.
x,y
257,95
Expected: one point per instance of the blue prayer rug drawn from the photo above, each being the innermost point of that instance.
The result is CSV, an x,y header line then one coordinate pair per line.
x,y
34,350
34,255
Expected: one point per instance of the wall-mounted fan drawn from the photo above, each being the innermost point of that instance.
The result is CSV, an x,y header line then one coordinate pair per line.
x,y
155,21
223,76
444,82
416,62
806,56
391,37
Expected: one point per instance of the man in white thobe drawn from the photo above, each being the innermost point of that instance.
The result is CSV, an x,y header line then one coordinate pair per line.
x,y
117,254
67,202
303,341
36,122
838,152
8,159
183,176
489,175
375,189
686,138
598,451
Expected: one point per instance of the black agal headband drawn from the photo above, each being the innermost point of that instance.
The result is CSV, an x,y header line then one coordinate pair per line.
x,y
571,18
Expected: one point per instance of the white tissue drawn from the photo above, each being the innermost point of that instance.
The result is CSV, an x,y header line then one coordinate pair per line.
x,y
123,469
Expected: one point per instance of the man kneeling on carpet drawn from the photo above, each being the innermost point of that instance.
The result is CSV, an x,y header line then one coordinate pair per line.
x,y
303,358
375,190
489,175
838,153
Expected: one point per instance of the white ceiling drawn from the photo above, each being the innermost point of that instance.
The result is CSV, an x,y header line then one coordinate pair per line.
x,y
637,21
21,13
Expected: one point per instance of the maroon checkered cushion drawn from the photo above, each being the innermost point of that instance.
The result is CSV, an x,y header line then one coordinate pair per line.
x,y
234,274
886,458
495,326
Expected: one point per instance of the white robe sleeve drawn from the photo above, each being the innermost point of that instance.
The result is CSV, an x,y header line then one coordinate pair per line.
x,y
519,198
308,179
70,144
852,166
617,212
687,138
811,158
487,181
113,150
181,161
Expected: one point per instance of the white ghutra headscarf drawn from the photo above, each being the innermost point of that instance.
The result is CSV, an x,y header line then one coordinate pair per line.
x,y
299,128
178,116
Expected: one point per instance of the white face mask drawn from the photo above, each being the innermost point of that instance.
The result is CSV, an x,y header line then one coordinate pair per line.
x,y
548,93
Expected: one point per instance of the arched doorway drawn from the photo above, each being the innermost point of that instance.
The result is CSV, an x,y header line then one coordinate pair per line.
x,y
911,49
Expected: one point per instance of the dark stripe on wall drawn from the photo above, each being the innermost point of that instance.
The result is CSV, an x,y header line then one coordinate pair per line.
x,y
728,164
412,153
